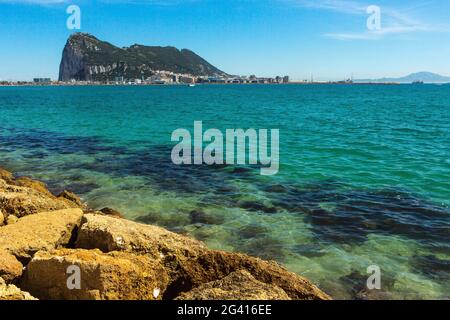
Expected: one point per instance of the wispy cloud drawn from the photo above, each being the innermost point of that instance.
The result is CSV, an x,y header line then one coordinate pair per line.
x,y
350,7
375,34
394,21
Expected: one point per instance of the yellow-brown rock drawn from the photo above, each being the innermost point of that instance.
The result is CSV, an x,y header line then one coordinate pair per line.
x,y
22,201
239,285
10,268
24,196
71,198
6,175
42,231
111,234
111,276
33,184
117,258
188,262
11,219
11,292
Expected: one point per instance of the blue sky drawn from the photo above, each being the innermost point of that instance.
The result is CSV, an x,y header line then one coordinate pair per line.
x,y
326,38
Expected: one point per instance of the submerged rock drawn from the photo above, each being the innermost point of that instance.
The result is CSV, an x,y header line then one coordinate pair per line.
x,y
199,216
238,285
257,206
42,231
111,212
171,222
432,267
103,276
11,292
339,214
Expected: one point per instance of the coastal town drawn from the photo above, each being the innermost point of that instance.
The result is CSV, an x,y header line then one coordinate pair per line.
x,y
183,79
169,78
159,78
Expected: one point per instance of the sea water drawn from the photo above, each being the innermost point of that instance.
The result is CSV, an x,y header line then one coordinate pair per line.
x,y
364,175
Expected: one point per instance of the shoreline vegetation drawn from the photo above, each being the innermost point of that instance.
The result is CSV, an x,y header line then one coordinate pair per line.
x,y
44,237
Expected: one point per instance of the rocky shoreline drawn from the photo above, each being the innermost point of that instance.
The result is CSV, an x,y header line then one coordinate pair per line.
x,y
42,236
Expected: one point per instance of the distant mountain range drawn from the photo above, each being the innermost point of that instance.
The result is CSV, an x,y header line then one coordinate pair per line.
x,y
87,58
426,77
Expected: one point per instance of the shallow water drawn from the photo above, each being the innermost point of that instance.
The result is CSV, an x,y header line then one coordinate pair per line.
x,y
364,177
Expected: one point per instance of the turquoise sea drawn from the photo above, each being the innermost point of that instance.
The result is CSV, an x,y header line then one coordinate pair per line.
x,y
364,177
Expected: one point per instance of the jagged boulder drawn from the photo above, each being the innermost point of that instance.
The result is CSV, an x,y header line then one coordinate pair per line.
x,y
188,262
6,175
238,285
24,196
10,268
111,276
11,292
42,231
71,198
111,234
212,265
21,201
32,184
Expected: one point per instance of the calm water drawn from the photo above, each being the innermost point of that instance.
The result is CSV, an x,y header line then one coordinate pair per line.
x,y
364,178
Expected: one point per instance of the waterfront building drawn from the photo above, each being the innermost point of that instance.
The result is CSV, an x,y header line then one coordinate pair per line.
x,y
42,80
